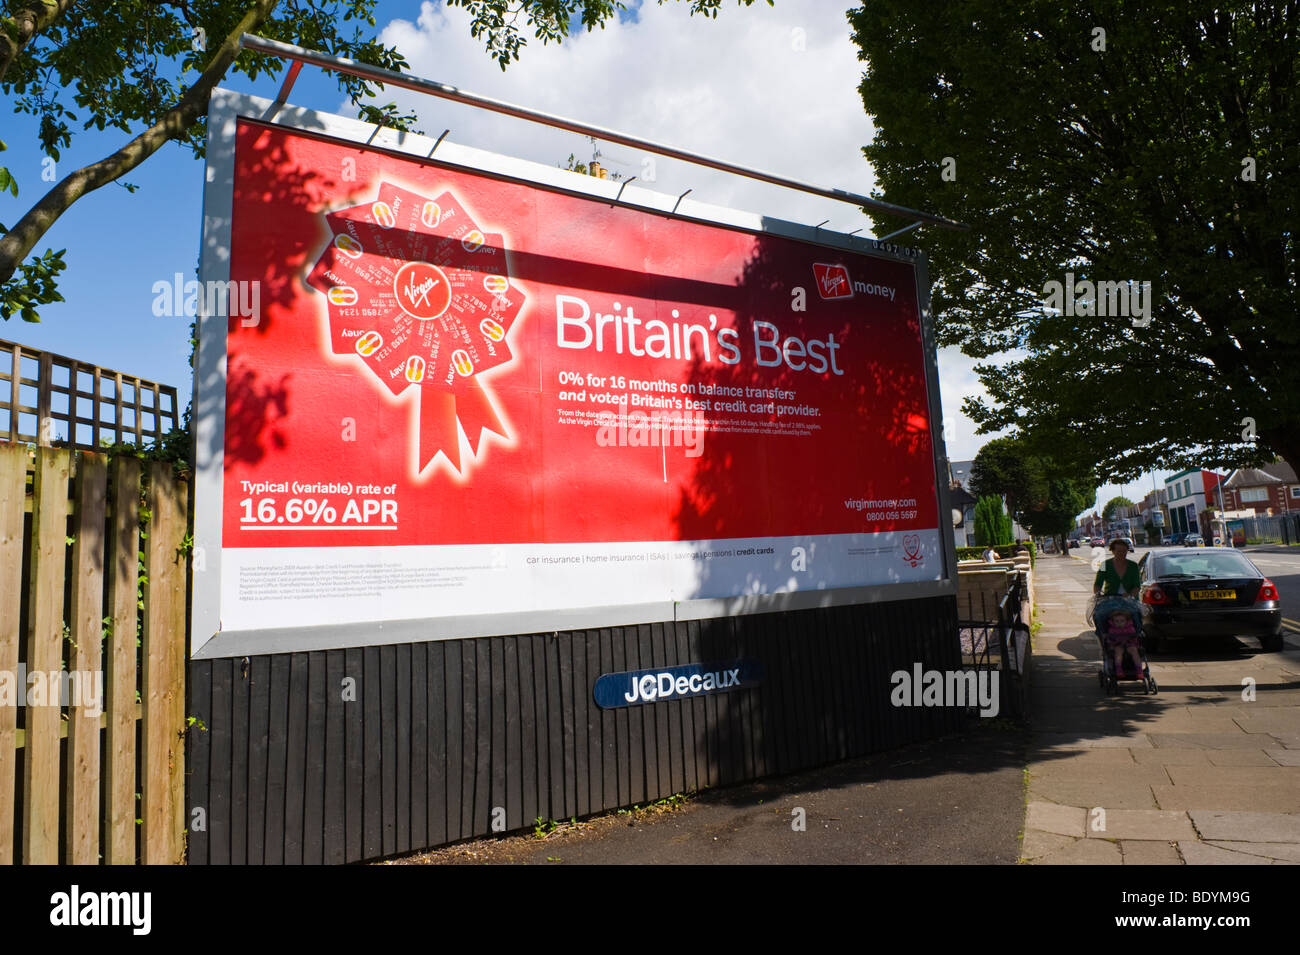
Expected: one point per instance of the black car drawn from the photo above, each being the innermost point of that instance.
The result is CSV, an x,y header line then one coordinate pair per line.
x,y
1207,592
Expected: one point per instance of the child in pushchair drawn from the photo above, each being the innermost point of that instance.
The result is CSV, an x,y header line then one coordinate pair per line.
x,y
1118,622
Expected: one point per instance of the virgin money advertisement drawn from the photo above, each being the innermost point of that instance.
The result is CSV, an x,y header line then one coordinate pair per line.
x,y
463,395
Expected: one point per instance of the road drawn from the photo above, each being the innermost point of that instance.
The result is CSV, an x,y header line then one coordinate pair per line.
x,y
1284,570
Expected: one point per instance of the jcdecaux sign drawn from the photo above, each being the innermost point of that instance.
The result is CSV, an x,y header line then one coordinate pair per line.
x,y
613,690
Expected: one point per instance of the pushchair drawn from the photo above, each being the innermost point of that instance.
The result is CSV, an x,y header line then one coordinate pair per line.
x,y
1108,675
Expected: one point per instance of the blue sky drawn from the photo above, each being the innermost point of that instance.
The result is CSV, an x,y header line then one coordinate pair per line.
x,y
769,87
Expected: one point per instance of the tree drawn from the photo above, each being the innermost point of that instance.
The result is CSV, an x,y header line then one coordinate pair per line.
x,y
992,524
1113,505
1003,467
129,64
1103,142
1054,516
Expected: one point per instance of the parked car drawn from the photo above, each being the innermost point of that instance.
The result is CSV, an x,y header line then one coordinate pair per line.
x,y
1074,542
1193,540
1175,540
1207,592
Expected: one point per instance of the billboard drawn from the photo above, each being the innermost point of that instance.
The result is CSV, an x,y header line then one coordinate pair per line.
x,y
477,396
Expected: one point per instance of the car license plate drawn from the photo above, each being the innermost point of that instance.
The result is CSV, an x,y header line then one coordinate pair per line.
x,y
1213,595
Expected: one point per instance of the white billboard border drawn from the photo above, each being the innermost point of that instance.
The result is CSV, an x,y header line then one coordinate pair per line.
x,y
208,640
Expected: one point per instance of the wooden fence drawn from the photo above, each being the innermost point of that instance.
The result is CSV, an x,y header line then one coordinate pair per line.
x,y
94,773
46,398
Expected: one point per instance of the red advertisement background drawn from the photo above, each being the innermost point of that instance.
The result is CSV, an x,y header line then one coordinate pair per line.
x,y
290,398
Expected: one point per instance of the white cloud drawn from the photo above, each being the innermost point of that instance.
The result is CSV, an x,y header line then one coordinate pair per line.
x,y
736,88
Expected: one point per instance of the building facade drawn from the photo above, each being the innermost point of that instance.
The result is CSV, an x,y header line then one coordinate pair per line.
x,y
1189,494
1273,489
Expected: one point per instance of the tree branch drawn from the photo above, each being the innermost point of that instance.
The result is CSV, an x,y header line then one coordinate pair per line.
x,y
20,240
17,31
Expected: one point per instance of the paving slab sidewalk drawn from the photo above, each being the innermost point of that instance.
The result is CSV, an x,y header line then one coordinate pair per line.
x,y
1206,772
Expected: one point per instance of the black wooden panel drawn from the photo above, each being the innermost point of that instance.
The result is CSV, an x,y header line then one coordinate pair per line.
x,y
856,639
354,776
711,735
673,773
638,742
879,678
453,677
388,750
295,759
259,712
418,690
469,735
214,786
834,624
240,740
554,716
561,655
481,807
530,767
334,801
277,785
622,737
402,731
313,789
580,697
372,734
437,741
440,734
698,768
746,702
497,799
609,762
678,635
664,719
592,782
512,790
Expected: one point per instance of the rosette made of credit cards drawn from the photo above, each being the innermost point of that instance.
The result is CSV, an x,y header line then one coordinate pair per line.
x,y
423,296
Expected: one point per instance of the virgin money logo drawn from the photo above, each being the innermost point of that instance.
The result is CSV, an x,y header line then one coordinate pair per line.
x,y
912,549
422,290
832,281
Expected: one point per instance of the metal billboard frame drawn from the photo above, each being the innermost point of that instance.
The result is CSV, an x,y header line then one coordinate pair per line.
x,y
209,640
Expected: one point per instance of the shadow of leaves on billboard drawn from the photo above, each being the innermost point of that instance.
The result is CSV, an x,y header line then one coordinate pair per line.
x,y
869,406
265,267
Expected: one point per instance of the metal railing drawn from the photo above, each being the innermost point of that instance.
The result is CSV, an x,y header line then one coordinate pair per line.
x,y
998,641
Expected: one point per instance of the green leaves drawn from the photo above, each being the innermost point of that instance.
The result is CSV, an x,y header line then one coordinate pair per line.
x,y
32,285
7,181
1114,161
